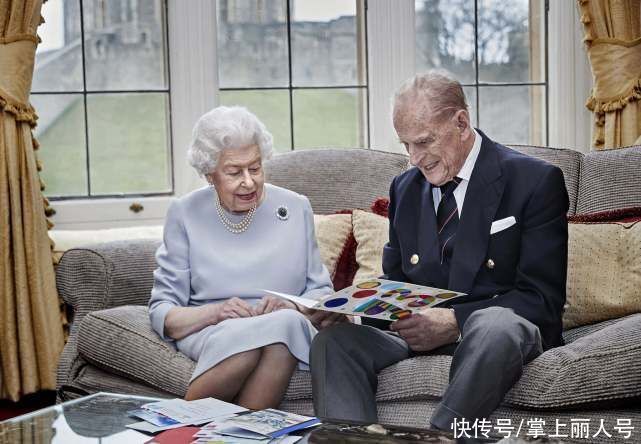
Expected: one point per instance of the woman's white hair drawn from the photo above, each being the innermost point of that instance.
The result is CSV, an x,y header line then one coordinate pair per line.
x,y
226,127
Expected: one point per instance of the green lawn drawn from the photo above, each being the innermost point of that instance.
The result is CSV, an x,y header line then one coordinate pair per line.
x,y
127,146
128,136
322,118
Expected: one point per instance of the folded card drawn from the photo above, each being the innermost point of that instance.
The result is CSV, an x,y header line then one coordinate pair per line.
x,y
377,298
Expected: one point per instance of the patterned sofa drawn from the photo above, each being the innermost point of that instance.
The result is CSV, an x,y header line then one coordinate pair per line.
x,y
595,376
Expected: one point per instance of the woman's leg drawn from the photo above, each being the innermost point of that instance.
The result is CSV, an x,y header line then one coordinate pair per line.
x,y
266,386
225,379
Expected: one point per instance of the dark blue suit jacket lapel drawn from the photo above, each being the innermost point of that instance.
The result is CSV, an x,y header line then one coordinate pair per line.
x,y
427,239
482,200
421,227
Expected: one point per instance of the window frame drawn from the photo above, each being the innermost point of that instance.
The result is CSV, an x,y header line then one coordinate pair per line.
x,y
290,88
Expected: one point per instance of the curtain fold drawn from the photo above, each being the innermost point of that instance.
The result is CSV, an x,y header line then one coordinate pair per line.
x,y
613,41
31,335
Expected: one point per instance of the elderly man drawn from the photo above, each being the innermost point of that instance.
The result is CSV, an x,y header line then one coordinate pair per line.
x,y
471,216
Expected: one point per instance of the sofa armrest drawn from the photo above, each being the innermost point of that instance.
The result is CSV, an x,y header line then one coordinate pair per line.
x,y
107,275
97,277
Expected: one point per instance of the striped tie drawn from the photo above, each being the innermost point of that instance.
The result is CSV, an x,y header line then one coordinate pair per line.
x,y
447,223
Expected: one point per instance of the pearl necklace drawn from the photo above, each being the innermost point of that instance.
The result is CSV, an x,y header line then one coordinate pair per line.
x,y
232,227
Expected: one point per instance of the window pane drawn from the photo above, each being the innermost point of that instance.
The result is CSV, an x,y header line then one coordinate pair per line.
x,y
129,143
470,96
59,57
252,43
125,44
271,107
325,43
510,48
329,118
445,37
525,120
61,133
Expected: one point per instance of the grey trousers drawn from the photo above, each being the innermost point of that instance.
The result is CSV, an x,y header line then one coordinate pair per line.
x,y
346,359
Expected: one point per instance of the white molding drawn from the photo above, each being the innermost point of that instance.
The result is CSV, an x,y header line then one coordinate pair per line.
x,y
108,213
391,44
194,78
570,79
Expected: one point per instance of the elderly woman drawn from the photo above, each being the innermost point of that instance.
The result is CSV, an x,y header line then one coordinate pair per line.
x,y
225,243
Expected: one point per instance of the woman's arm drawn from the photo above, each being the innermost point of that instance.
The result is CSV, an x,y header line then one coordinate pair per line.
x,y
319,282
183,321
172,278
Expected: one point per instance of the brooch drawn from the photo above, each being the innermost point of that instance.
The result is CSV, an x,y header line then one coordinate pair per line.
x,y
282,212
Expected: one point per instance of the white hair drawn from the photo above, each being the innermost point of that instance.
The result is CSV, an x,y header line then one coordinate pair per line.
x,y
226,127
437,88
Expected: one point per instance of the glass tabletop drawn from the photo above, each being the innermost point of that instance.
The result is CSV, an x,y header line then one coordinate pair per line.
x,y
98,418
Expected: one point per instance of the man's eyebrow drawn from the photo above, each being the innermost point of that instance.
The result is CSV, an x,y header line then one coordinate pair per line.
x,y
423,137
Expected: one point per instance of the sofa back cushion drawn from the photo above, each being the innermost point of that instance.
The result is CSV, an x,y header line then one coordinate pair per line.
x,y
336,179
610,180
371,232
568,160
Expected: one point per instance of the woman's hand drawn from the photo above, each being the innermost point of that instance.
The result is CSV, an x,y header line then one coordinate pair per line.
x,y
233,308
272,303
323,319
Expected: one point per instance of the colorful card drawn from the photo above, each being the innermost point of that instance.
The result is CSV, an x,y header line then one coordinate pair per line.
x,y
378,298
152,417
269,422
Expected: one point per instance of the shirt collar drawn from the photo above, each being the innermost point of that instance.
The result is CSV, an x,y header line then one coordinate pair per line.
x,y
466,171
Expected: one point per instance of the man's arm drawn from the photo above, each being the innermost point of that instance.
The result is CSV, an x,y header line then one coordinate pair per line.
x,y
539,289
392,260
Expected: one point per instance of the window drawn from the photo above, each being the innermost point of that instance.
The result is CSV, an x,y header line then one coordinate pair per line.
x,y
300,66
101,90
498,50
317,73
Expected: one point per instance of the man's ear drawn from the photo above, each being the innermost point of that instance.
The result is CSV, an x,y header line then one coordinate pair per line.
x,y
462,119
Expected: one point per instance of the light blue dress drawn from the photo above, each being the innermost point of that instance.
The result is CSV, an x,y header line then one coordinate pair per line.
x,y
200,262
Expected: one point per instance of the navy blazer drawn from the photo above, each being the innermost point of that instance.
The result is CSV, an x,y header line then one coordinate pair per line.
x,y
529,258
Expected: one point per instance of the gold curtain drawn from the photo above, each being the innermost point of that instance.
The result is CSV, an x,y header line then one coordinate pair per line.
x,y
31,335
613,40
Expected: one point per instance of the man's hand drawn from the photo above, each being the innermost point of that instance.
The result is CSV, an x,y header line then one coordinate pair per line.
x,y
323,319
429,329
272,303
232,308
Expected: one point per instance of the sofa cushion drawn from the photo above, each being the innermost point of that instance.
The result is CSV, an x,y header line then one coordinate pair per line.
x,y
600,366
604,272
568,160
121,341
345,178
371,232
610,180
332,234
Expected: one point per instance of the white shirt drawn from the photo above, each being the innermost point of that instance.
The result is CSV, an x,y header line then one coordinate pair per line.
x,y
464,175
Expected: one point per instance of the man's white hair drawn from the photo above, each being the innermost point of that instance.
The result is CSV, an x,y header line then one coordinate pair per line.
x,y
226,127
437,88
